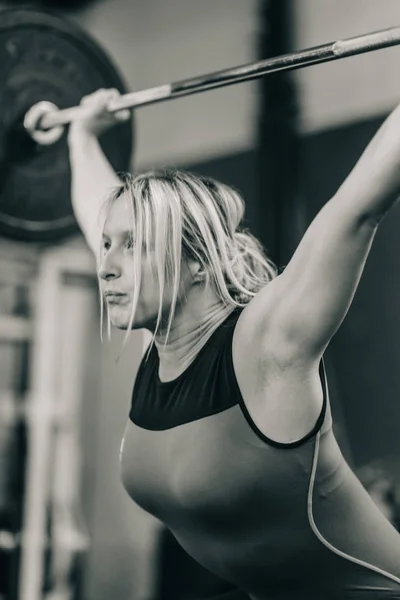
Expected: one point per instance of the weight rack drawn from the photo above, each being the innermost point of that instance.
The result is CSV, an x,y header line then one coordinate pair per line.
x,y
39,409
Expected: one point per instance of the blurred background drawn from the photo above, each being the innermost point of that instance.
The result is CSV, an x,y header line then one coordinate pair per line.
x,y
286,143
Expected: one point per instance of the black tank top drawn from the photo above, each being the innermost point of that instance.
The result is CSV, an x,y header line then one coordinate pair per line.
x,y
278,521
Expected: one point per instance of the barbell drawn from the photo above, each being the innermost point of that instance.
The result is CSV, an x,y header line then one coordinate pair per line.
x,y
48,65
44,57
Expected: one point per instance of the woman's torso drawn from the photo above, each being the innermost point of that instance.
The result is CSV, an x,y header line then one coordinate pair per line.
x,y
280,521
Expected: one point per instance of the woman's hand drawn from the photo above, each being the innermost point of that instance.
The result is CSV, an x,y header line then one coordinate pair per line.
x,y
95,117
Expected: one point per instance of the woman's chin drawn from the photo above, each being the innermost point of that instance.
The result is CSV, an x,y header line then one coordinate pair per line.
x,y
122,322
120,319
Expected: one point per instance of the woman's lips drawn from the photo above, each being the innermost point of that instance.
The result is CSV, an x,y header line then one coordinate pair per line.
x,y
114,297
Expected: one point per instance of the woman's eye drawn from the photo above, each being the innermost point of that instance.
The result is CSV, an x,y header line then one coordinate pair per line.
x,y
129,243
106,245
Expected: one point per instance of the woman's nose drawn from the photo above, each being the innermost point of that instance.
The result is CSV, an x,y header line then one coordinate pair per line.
x,y
108,267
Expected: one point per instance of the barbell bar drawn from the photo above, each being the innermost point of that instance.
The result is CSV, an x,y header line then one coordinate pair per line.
x,y
44,122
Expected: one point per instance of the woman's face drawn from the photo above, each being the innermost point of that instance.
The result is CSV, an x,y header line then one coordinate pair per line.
x,y
116,273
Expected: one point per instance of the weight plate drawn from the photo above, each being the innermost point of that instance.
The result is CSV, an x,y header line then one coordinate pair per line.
x,y
45,57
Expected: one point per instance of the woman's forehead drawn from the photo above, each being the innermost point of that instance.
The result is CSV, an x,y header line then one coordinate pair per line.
x,y
119,218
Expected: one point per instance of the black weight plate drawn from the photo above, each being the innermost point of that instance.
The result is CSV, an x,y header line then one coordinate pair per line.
x,y
45,57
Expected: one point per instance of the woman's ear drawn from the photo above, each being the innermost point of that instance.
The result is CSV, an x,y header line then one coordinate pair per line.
x,y
196,273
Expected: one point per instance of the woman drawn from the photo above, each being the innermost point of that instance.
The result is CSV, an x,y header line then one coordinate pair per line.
x,y
229,441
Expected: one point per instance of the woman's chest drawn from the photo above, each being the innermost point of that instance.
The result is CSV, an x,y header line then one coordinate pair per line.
x,y
180,468
208,471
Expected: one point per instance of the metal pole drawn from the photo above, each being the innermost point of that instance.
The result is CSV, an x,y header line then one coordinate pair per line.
x,y
295,60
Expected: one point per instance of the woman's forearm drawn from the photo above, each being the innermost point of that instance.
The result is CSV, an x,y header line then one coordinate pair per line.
x,y
373,186
92,178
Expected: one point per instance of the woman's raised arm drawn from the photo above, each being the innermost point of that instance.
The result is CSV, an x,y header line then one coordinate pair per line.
x,y
314,293
92,175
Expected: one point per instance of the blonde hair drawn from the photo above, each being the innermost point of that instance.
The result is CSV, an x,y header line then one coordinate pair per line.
x,y
184,216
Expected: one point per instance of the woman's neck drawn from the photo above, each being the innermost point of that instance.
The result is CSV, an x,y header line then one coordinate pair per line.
x,y
189,332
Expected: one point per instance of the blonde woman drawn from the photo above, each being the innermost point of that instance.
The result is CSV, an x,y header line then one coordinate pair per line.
x,y
229,441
